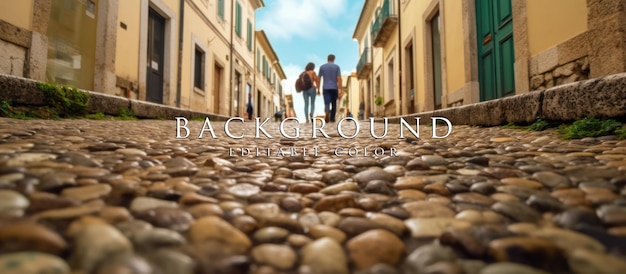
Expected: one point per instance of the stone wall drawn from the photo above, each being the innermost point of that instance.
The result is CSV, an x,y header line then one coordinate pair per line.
x,y
598,97
13,57
24,92
126,88
571,72
14,44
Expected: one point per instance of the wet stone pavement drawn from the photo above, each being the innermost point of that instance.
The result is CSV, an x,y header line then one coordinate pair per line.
x,y
84,196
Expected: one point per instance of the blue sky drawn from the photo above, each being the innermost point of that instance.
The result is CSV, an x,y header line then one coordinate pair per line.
x,y
303,31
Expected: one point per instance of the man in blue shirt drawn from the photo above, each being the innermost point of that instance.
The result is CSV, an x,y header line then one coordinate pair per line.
x,y
331,73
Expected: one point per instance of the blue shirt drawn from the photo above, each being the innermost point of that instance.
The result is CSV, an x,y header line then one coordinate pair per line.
x,y
329,73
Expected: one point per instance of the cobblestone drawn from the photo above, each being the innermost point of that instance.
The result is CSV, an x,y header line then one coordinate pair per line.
x,y
102,196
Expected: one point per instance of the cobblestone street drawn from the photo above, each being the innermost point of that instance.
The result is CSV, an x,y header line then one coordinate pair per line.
x,y
92,196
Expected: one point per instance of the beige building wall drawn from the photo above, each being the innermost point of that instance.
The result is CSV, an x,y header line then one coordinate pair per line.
x,y
18,13
120,65
454,48
206,30
414,15
211,96
553,22
127,49
352,94
363,37
267,78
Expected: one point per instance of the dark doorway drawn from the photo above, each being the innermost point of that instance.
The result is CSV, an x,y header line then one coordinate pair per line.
x,y
258,103
237,93
410,83
435,32
156,52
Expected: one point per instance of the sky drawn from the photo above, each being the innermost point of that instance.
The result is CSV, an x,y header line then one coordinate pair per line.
x,y
303,31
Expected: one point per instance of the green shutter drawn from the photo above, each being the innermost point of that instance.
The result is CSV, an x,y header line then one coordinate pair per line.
x,y
264,66
220,9
249,35
258,59
238,20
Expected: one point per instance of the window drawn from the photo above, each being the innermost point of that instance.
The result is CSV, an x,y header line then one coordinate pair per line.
x,y
249,35
198,69
220,9
238,19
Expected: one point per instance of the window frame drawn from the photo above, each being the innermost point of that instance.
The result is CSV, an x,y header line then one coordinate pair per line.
x,y
199,69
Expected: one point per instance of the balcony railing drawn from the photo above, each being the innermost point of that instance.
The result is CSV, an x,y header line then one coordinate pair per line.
x,y
364,67
386,20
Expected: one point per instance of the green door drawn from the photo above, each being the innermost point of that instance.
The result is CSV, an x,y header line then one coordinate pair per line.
x,y
494,20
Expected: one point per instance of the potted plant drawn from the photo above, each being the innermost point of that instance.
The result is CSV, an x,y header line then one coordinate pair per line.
x,y
378,101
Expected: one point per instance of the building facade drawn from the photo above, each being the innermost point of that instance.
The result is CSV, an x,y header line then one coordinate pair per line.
x,y
192,54
270,75
425,55
352,93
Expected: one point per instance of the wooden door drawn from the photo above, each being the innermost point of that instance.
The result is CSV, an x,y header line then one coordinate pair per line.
x,y
156,52
496,54
217,88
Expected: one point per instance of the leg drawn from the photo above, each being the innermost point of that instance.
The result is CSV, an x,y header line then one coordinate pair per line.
x,y
305,95
313,95
333,102
327,98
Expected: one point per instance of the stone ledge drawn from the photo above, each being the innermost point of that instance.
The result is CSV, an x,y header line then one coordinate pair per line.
x,y
24,91
600,97
107,104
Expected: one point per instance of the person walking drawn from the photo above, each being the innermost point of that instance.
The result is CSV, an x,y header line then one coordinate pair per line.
x,y
311,82
278,116
331,73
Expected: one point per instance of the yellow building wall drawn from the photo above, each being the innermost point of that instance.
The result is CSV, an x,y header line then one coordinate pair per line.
x,y
453,31
353,99
127,49
18,12
553,22
241,43
217,52
413,26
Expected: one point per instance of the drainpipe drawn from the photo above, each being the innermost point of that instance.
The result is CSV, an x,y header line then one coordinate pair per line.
x,y
368,106
181,16
254,71
400,49
232,31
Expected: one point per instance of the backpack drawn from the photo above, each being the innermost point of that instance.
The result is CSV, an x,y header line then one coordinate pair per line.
x,y
303,82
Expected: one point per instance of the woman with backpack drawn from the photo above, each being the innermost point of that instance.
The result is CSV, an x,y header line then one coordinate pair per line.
x,y
309,78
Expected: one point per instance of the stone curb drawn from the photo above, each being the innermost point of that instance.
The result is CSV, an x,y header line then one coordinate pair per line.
x,y
24,91
600,97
